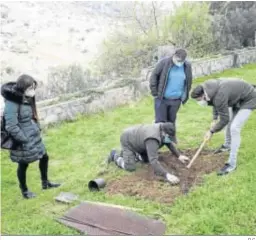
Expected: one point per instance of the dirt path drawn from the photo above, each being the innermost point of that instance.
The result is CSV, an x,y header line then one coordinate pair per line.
x,y
144,184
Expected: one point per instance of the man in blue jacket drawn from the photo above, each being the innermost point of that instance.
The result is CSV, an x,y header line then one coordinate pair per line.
x,y
170,84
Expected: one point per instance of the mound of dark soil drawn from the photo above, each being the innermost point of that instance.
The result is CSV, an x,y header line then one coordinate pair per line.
x,y
145,184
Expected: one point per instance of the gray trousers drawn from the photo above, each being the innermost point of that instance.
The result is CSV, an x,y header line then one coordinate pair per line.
x,y
233,130
127,159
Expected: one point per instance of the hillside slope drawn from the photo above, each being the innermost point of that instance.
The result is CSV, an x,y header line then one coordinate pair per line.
x,y
39,35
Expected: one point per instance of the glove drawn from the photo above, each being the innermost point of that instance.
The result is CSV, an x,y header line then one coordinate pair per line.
x,y
183,158
213,123
208,136
172,179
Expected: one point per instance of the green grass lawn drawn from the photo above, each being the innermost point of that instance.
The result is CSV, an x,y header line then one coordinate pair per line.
x,y
222,205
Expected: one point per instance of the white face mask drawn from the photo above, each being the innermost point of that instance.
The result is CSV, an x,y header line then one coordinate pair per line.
x,y
30,92
203,103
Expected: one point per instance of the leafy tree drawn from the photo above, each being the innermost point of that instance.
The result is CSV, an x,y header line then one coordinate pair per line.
x,y
234,24
132,46
189,27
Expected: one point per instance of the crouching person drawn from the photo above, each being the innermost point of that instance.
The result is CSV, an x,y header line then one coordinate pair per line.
x,y
21,122
142,142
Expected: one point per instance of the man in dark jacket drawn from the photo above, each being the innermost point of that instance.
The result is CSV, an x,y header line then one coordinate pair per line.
x,y
170,84
142,142
233,101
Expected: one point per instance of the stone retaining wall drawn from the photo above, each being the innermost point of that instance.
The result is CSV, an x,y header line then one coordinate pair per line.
x,y
94,102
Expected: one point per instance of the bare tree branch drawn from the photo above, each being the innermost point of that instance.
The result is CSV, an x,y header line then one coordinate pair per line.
x,y
154,12
172,42
138,21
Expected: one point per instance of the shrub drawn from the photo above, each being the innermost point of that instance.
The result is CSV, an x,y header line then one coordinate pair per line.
x,y
126,51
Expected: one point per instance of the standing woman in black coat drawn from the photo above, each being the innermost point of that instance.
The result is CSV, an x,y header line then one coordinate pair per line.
x,y
21,122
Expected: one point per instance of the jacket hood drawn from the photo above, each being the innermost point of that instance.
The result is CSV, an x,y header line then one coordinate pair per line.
x,y
169,128
9,92
211,87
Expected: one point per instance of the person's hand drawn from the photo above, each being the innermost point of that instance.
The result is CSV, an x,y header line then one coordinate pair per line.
x,y
213,123
183,158
172,179
208,136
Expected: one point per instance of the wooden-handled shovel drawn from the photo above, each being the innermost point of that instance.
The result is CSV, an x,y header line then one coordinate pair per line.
x,y
197,153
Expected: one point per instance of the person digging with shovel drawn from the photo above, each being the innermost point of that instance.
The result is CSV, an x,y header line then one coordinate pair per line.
x,y
141,143
233,101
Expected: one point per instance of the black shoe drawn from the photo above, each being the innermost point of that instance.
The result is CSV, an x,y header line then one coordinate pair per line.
x,y
226,169
27,194
48,185
221,149
111,156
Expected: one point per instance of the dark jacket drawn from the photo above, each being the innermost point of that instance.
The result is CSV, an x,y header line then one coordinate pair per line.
x,y
136,136
159,76
225,93
146,139
23,128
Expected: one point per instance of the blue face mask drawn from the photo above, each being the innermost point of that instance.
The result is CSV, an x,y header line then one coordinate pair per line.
x,y
177,63
167,139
